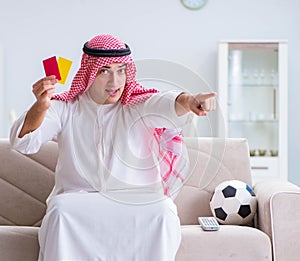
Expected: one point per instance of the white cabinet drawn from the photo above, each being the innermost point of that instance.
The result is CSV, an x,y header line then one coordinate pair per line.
x,y
252,94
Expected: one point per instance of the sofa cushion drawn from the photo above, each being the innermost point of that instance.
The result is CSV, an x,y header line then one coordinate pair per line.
x,y
25,183
19,243
230,242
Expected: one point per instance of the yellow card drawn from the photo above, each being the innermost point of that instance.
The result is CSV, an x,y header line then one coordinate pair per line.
x,y
64,66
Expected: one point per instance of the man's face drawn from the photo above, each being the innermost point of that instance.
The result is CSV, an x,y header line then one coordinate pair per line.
x,y
109,84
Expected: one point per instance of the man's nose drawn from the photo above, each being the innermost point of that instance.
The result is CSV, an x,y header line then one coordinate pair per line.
x,y
114,78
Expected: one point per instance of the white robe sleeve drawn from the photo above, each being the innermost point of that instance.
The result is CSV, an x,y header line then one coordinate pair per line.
x,y
31,142
159,111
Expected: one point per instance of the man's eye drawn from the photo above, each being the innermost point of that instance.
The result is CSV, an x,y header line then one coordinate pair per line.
x,y
103,71
122,71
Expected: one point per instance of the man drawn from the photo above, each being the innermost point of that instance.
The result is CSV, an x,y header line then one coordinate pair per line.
x,y
108,202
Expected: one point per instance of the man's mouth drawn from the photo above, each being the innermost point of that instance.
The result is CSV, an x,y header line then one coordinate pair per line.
x,y
112,92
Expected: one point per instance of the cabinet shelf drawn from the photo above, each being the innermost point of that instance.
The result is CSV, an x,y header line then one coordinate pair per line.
x,y
275,86
253,121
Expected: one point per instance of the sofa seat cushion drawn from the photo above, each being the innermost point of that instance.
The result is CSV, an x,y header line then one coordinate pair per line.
x,y
234,243
19,243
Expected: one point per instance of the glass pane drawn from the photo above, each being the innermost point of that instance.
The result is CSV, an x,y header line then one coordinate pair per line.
x,y
253,96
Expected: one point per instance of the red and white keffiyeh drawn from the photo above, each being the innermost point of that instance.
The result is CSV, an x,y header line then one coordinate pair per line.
x,y
170,141
133,93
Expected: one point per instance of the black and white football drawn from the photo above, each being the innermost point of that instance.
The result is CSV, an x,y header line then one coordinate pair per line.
x,y
233,202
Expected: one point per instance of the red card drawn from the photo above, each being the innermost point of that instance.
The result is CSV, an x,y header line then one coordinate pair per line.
x,y
51,67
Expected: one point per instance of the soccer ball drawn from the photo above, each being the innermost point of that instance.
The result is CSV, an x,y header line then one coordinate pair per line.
x,y
233,202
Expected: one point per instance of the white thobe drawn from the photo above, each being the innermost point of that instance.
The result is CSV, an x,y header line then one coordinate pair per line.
x,y
107,203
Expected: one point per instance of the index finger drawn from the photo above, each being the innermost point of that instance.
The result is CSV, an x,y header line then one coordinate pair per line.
x,y
206,96
50,77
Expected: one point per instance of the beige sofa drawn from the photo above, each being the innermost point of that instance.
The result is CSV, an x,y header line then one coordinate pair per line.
x,y
26,181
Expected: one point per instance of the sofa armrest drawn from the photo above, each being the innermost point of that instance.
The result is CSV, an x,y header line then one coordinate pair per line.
x,y
279,215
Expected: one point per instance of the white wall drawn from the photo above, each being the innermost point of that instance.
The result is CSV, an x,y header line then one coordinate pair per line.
x,y
33,30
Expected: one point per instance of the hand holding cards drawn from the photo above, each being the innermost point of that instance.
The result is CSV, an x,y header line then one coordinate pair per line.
x,y
60,68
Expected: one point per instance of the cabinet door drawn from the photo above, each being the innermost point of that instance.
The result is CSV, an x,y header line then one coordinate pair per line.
x,y
252,94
